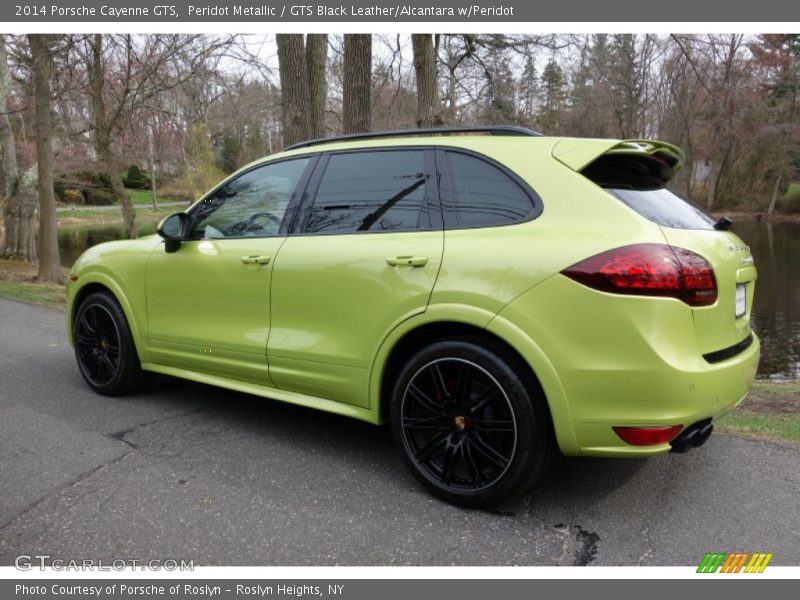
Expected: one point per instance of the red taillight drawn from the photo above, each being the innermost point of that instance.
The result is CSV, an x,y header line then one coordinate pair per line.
x,y
647,436
649,270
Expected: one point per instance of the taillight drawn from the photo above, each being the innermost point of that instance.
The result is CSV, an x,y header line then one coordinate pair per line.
x,y
649,270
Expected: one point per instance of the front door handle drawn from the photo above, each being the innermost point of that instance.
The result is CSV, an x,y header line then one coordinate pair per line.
x,y
256,259
407,261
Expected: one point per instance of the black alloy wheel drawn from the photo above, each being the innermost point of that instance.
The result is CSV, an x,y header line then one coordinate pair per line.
x,y
458,424
97,344
104,347
472,429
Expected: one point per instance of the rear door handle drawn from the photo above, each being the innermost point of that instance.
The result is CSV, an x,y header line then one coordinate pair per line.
x,y
407,261
256,259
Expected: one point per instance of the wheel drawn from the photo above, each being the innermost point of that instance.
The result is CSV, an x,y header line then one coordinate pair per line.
x,y
472,424
104,347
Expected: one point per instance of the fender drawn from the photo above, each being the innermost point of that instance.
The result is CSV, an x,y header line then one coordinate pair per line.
x,y
437,313
548,379
101,278
505,330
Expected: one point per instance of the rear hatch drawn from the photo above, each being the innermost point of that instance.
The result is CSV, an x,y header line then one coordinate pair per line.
x,y
636,172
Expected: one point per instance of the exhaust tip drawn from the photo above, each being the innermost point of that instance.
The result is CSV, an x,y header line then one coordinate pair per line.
x,y
704,434
693,436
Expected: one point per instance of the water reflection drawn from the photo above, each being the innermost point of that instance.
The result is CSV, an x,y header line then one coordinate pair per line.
x,y
73,240
776,308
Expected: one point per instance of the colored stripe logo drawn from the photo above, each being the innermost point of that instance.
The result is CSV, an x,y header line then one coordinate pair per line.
x,y
735,562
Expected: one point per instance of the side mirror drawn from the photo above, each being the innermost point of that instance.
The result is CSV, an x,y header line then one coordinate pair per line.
x,y
173,230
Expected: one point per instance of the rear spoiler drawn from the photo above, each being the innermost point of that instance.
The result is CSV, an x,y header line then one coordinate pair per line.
x,y
578,153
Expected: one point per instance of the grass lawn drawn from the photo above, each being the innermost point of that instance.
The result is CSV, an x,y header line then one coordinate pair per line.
x,y
772,410
99,216
145,197
16,283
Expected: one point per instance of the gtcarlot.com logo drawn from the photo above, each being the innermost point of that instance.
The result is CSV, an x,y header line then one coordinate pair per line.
x,y
28,562
734,562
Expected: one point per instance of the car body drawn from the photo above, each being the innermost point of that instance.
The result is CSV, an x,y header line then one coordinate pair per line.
x,y
289,281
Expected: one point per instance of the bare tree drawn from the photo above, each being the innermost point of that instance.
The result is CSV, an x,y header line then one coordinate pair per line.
x,y
316,64
18,209
294,87
104,125
357,115
425,49
49,260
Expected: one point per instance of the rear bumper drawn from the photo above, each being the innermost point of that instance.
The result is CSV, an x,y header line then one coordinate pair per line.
x,y
673,397
625,361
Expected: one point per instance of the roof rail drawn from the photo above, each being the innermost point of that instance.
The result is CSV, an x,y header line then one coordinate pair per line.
x,y
371,135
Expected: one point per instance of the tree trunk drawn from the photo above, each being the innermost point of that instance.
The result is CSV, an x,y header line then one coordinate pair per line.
x,y
19,214
776,190
17,211
427,86
294,87
357,83
49,259
151,147
8,150
316,62
714,176
102,135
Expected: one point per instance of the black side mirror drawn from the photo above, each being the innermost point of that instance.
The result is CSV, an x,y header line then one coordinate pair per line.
x,y
173,230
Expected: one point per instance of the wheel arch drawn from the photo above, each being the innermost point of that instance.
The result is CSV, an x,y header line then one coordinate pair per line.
x,y
496,331
99,282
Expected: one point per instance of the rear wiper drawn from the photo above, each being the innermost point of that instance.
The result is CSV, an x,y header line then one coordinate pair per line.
x,y
723,224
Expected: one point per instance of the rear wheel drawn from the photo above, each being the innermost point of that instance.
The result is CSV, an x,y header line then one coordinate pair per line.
x,y
104,346
472,425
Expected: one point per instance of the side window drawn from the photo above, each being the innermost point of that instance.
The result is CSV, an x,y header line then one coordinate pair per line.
x,y
371,191
484,195
252,205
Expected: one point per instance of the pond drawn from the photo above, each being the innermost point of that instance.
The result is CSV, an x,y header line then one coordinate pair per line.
x,y
776,308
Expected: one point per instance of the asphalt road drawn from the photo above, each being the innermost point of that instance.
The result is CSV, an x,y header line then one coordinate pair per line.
x,y
192,472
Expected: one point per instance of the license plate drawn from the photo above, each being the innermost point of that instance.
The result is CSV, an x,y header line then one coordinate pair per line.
x,y
741,300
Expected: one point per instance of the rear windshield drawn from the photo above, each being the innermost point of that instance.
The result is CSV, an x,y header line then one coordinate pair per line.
x,y
639,182
665,208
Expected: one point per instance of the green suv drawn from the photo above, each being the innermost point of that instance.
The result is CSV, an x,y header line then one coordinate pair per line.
x,y
496,295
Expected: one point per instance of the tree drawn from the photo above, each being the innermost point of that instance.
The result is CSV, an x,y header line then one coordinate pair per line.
x,y
428,110
356,101
554,95
779,56
528,91
17,193
49,260
316,64
304,89
294,87
103,125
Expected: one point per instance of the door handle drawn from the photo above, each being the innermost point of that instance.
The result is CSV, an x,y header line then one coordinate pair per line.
x,y
256,259
407,261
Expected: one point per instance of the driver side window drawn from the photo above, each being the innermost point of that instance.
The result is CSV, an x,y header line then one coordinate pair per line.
x,y
252,205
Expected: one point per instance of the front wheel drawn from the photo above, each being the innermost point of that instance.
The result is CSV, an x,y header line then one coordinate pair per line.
x,y
471,423
104,346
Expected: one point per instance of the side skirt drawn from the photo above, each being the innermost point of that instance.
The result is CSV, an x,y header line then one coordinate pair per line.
x,y
331,406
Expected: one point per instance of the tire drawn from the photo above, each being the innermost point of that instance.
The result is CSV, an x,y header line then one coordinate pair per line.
x,y
104,347
472,423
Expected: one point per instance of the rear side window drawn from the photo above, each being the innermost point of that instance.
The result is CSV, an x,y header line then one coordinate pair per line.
x,y
483,195
638,182
664,208
371,191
